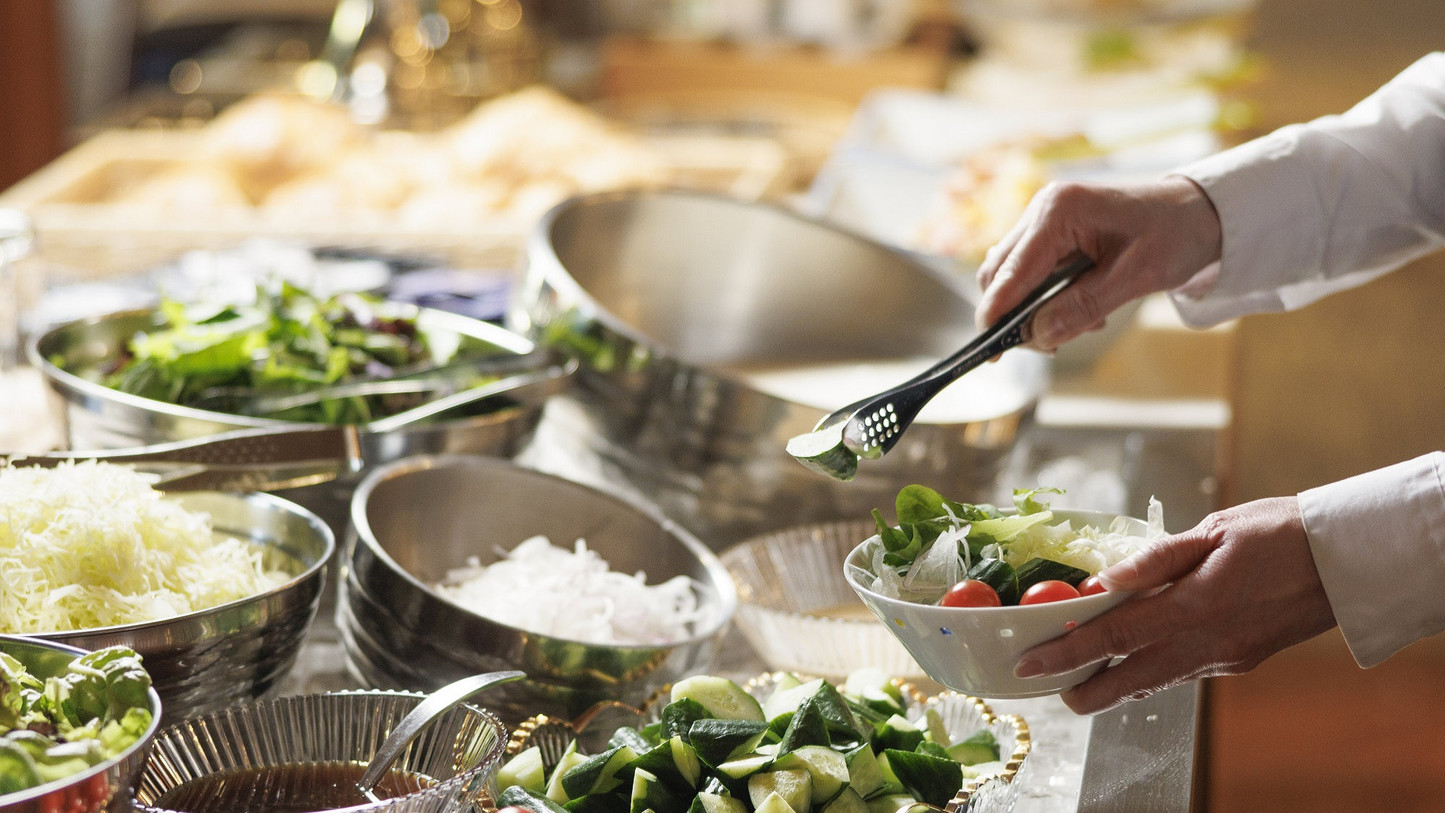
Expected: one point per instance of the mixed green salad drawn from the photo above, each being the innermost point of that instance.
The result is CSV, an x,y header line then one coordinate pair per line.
x,y
940,550
288,342
809,747
61,725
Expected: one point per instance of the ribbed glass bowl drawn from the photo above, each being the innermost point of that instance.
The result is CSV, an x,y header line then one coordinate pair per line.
x,y
799,613
461,751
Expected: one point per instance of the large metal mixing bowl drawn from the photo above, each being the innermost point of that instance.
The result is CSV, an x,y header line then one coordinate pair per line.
x,y
98,417
671,298
416,519
95,788
211,658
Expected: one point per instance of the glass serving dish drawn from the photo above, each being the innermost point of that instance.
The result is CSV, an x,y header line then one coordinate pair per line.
x,y
797,611
961,715
311,737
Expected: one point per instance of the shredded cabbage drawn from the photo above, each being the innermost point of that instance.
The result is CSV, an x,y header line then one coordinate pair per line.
x,y
90,544
549,590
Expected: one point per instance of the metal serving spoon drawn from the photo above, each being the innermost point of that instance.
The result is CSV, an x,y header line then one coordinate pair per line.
x,y
435,705
871,427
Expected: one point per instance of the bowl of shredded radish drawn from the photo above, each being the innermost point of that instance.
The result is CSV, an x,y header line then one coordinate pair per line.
x,y
462,564
214,591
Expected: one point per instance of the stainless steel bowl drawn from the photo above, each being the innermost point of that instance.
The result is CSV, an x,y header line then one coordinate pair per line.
x,y
98,417
90,790
671,298
416,519
210,658
461,750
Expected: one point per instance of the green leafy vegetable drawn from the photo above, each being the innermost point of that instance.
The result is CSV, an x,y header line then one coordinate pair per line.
x,y
94,710
287,343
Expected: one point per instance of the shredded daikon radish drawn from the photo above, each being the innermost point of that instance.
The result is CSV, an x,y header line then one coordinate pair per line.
x,y
549,590
89,544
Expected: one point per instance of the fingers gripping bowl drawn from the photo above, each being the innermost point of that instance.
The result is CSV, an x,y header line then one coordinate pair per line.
x,y
974,649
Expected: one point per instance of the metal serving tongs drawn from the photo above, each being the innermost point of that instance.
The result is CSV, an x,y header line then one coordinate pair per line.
x,y
871,427
245,460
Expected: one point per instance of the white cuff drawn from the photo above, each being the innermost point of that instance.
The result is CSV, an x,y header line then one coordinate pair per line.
x,y
1378,541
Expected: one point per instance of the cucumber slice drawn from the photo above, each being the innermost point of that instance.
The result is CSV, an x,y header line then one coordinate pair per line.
x,y
715,803
570,759
847,802
935,731
525,770
519,796
717,741
982,746
785,701
774,804
897,732
721,697
794,786
827,770
1034,571
650,793
597,774
823,451
930,779
864,774
745,767
673,762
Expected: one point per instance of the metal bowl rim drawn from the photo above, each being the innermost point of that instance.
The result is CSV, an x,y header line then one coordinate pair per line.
x,y
505,338
720,584
311,571
142,742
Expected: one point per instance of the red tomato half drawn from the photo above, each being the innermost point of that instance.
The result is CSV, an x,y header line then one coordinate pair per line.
x,y
970,593
1091,586
1044,592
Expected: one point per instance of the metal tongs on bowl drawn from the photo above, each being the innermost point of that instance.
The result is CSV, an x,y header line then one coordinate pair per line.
x,y
872,427
245,460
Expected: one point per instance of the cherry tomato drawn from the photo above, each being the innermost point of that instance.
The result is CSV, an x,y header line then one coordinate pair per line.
x,y
1090,586
970,593
1044,592
513,809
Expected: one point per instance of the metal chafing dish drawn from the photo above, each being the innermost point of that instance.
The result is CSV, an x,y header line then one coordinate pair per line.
x,y
672,300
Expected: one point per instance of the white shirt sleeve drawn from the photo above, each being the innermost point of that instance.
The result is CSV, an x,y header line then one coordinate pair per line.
x,y
1316,208
1307,211
1378,541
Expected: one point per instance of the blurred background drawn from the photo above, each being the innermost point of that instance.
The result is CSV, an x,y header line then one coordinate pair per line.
x,y
134,130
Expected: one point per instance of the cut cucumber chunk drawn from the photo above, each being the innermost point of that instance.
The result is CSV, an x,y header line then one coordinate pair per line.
x,y
785,701
597,774
570,759
827,770
525,770
1034,571
979,747
847,802
717,741
930,779
864,774
794,786
775,804
716,803
519,796
721,697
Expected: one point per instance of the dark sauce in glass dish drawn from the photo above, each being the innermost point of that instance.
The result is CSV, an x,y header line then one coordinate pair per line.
x,y
290,788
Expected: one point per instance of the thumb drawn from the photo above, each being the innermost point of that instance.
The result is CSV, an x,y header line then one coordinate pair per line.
x,y
1162,562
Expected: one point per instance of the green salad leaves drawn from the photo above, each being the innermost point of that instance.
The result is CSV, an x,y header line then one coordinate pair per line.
x,y
65,723
287,342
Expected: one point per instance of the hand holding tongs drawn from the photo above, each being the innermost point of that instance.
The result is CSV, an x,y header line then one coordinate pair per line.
x,y
871,427
245,460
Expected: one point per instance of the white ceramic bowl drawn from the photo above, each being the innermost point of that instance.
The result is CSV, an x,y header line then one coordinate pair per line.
x,y
974,649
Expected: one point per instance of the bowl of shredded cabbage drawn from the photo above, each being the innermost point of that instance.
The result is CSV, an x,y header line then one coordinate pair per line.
x,y
214,590
967,589
462,564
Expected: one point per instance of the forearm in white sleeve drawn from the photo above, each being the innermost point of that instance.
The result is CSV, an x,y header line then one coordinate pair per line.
x,y
1316,208
1378,541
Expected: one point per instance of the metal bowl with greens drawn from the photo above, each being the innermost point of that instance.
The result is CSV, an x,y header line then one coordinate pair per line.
x,y
74,725
234,358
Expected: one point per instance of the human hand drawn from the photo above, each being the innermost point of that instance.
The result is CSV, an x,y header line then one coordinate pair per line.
x,y
1142,237
1241,586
